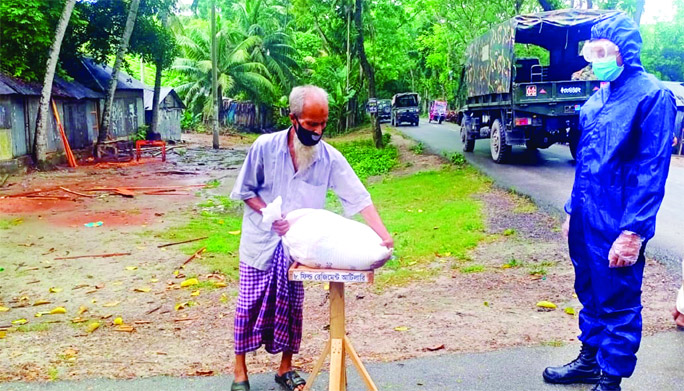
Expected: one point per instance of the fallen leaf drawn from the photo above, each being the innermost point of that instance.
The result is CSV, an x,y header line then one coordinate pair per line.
x,y
79,320
99,286
220,284
143,289
195,293
200,372
20,321
487,304
234,232
39,314
131,268
189,282
118,321
434,348
93,326
112,304
125,328
224,298
41,302
3,334
55,290
154,280
70,353
82,309
401,328
184,305
4,309
570,311
546,304
58,310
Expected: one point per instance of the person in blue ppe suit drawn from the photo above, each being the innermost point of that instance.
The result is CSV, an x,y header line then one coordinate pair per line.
x,y
622,164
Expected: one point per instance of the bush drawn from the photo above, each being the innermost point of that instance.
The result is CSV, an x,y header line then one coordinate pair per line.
x,y
190,121
455,158
418,148
366,160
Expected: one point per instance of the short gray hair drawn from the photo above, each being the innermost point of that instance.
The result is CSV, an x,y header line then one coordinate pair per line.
x,y
301,93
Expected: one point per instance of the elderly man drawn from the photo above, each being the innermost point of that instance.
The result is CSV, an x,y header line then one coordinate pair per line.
x,y
296,165
622,164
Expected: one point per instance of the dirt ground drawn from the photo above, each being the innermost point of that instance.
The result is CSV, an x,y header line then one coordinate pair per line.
x,y
456,311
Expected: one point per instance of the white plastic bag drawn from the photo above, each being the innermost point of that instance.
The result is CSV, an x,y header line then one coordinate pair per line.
x,y
271,213
680,294
321,239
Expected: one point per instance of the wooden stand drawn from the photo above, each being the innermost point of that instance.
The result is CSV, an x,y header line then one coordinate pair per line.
x,y
339,346
149,143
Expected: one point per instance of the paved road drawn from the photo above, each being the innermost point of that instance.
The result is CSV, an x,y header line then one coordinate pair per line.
x,y
547,177
661,368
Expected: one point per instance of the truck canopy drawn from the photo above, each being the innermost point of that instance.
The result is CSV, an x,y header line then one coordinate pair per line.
x,y
491,58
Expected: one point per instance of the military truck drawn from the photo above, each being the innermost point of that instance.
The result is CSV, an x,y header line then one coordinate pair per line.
x,y
405,108
518,99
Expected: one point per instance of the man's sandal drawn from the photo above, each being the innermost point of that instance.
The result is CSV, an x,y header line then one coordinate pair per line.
x,y
290,380
240,386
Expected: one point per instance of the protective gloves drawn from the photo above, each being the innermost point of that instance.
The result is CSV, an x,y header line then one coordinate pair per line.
x,y
625,250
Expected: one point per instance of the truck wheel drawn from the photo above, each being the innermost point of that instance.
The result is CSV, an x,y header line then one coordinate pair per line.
x,y
500,150
532,147
468,143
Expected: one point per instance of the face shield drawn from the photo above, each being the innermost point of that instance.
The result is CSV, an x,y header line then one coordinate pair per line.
x,y
599,51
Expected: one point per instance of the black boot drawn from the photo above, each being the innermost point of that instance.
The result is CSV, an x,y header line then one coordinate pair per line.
x,y
608,383
584,369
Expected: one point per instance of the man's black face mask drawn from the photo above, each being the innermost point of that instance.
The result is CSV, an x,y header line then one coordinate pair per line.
x,y
306,136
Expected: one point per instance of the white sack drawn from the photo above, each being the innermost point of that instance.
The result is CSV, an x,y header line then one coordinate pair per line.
x,y
271,213
321,239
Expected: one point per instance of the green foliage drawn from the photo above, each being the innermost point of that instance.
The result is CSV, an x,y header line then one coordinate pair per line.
x,y
140,134
365,159
190,120
455,158
27,28
418,148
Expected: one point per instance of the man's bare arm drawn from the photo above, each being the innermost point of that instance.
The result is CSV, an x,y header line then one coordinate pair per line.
x,y
256,203
370,214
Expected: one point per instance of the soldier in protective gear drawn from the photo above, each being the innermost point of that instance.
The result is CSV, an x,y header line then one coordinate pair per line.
x,y
622,164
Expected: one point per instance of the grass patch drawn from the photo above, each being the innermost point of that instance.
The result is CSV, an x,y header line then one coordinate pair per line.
x,y
33,327
9,223
53,373
365,159
523,203
472,269
455,158
427,213
212,184
513,263
538,270
223,231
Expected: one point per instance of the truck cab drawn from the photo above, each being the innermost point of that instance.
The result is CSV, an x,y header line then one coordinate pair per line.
x,y
527,81
405,108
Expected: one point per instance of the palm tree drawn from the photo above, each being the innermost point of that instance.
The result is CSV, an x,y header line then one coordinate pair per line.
x,y
263,34
237,73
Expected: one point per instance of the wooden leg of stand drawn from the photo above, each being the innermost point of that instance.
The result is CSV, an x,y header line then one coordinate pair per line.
x,y
317,367
336,365
365,376
337,333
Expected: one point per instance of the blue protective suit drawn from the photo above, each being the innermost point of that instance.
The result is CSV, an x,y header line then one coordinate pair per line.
x,y
622,164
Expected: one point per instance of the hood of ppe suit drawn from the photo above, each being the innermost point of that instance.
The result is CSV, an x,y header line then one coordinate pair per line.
x,y
622,31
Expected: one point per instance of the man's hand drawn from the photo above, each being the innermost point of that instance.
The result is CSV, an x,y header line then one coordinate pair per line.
x,y
678,317
625,250
566,227
281,226
674,141
388,242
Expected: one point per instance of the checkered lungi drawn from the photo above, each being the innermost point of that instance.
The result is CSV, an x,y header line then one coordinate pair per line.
x,y
269,308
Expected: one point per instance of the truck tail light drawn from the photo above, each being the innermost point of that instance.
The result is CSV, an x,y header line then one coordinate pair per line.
x,y
523,121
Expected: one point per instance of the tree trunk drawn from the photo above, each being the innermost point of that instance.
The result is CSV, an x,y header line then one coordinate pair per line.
x,y
157,86
367,69
547,5
639,11
111,89
40,139
214,81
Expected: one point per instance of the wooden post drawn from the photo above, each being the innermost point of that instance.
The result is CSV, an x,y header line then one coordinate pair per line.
x,y
339,345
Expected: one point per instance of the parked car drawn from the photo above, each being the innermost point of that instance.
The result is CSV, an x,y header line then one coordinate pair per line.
x,y
384,110
528,101
677,89
405,108
438,111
